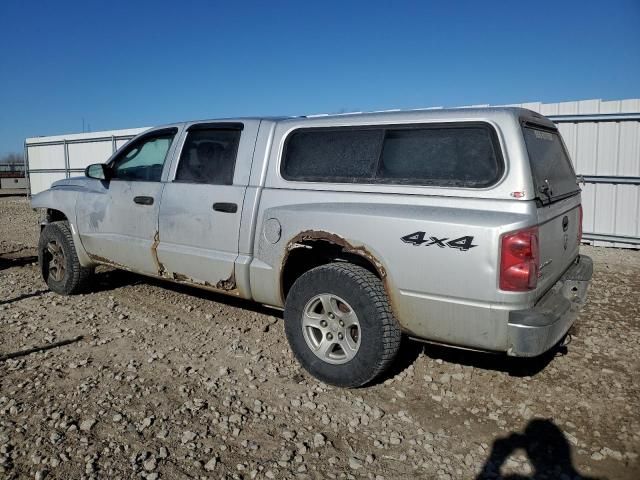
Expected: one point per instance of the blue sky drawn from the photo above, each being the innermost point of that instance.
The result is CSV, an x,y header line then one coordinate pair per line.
x,y
120,64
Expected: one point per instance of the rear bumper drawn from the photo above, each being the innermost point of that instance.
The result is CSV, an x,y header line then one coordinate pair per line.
x,y
533,331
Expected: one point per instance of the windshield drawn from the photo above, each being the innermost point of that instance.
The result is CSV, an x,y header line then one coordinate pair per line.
x,y
553,174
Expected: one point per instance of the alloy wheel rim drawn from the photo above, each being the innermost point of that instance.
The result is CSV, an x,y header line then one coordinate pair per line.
x,y
331,329
57,263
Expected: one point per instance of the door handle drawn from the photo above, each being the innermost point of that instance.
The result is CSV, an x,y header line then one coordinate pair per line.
x,y
143,200
225,207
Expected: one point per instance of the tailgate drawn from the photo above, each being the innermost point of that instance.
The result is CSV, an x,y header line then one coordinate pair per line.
x,y
558,237
558,199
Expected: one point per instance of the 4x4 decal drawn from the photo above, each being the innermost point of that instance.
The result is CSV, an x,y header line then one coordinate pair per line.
x,y
418,238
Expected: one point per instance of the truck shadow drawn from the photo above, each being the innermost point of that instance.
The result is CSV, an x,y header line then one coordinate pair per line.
x,y
106,280
546,448
514,366
410,351
112,279
215,297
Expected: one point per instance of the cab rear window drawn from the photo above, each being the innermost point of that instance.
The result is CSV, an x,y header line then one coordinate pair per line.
x,y
460,155
553,174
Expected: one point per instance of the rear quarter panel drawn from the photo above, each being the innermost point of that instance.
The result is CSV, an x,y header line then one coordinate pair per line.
x,y
437,291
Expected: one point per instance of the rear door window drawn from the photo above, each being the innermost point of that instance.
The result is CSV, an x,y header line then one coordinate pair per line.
x,y
462,155
553,174
209,156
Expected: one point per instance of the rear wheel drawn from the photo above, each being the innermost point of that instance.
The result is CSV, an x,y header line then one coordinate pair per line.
x,y
58,260
340,326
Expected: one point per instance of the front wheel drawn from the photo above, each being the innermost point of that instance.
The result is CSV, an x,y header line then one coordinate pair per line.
x,y
340,326
58,260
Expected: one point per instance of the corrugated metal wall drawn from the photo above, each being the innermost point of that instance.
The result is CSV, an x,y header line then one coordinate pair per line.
x,y
603,138
605,149
48,159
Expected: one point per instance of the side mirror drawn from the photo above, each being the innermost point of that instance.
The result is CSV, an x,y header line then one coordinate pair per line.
x,y
99,171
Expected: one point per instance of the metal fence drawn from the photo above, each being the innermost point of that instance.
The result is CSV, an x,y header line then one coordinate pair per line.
x,y
603,138
606,152
48,159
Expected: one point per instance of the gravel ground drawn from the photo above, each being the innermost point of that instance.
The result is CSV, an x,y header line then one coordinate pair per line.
x,y
163,381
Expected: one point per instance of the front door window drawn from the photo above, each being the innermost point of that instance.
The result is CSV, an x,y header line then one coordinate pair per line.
x,y
144,159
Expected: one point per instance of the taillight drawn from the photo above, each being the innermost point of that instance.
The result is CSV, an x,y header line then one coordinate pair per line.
x,y
580,224
519,260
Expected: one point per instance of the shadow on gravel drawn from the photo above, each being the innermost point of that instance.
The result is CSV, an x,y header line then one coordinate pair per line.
x,y
546,448
17,262
37,293
112,279
410,350
514,366
42,348
215,297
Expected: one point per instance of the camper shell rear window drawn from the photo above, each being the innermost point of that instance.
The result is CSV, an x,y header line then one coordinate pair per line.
x,y
553,175
462,154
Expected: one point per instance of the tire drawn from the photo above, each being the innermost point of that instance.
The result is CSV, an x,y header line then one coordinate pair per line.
x,y
58,260
341,290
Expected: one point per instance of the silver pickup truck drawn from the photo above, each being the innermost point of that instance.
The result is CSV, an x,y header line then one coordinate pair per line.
x,y
457,226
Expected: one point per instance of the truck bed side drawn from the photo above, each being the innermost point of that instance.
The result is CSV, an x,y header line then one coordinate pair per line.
x,y
436,284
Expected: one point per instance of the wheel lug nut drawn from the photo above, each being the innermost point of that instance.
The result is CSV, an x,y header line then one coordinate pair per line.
x,y
329,336
341,323
323,323
340,336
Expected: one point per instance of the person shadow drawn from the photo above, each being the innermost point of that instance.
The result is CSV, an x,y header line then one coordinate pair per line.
x,y
546,447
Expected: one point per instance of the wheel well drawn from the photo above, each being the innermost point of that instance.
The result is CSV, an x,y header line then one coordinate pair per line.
x,y
52,215
55,215
314,253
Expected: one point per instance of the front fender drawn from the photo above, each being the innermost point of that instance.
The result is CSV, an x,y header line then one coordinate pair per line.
x,y
57,199
64,201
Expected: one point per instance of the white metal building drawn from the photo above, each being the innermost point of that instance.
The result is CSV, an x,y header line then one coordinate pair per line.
x,y
52,158
603,138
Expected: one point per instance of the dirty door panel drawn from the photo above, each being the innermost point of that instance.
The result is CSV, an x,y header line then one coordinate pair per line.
x,y
115,229
199,221
118,219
